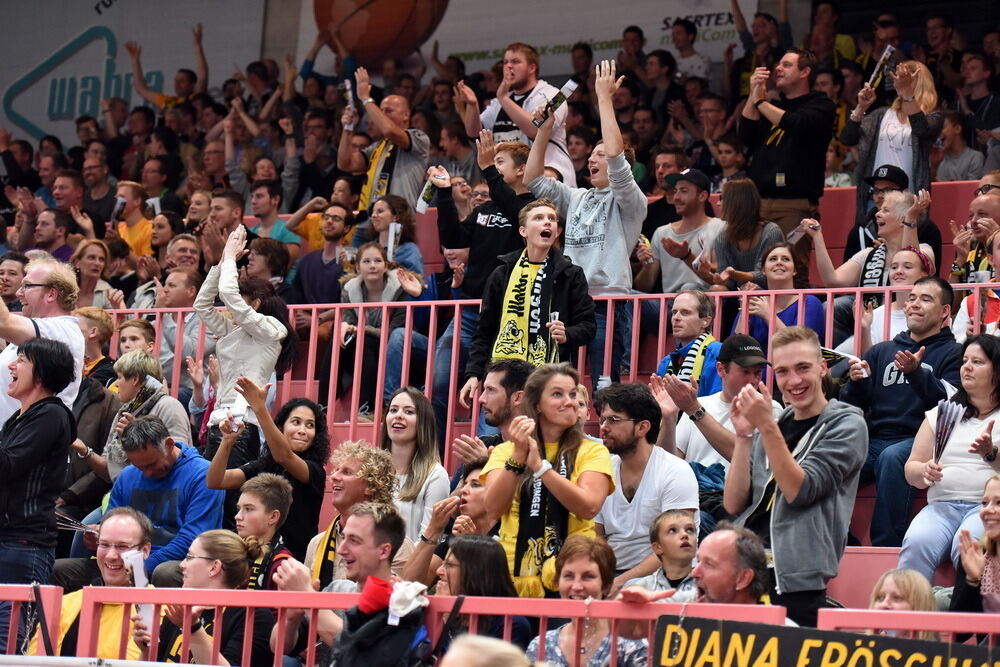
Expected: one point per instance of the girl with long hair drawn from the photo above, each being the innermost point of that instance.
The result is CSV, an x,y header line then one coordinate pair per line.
x,y
198,209
477,565
904,590
955,476
254,341
781,266
388,209
219,560
738,250
409,434
548,464
297,444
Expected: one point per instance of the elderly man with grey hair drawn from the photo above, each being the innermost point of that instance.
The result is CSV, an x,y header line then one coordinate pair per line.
x,y
165,481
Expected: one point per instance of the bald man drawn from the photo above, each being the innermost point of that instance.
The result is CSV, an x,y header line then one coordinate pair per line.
x,y
395,163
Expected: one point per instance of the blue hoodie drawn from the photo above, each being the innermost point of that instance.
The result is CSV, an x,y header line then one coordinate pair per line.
x,y
895,402
180,505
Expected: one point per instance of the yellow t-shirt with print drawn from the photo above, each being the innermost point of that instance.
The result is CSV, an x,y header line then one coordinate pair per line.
x,y
108,634
590,457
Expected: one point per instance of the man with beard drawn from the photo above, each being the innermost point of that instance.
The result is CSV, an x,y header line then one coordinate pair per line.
x,y
319,273
648,480
500,400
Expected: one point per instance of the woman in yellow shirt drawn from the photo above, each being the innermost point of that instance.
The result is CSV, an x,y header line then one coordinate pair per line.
x,y
562,487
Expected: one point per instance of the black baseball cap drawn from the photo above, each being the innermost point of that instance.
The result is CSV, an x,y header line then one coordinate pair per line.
x,y
743,349
691,176
889,172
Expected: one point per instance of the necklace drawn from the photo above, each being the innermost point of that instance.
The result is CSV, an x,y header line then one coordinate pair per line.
x,y
590,633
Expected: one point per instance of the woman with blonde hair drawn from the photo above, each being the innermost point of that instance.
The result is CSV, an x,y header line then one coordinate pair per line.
x,y
90,259
904,590
219,560
901,134
551,466
977,579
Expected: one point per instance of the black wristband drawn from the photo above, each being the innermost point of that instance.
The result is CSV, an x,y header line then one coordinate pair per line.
x,y
756,105
690,252
197,625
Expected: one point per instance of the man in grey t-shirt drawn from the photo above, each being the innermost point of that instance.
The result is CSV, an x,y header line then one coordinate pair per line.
x,y
397,160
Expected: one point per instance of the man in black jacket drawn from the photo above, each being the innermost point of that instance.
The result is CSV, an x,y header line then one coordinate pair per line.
x,y
34,444
536,303
788,140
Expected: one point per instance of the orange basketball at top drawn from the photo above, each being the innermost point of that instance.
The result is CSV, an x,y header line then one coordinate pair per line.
x,y
374,30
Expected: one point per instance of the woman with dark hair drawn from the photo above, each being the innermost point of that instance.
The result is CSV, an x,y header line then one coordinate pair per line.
x,y
216,560
548,464
477,565
586,570
955,475
256,341
739,250
166,226
409,433
386,210
782,267
296,447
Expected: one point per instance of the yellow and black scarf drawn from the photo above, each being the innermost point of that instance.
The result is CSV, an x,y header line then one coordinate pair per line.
x,y
526,305
326,554
380,166
691,365
541,529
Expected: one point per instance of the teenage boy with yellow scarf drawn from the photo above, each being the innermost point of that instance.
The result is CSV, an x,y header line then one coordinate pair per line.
x,y
535,306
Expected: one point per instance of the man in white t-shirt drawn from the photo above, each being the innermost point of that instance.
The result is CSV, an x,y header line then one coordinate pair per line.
x,y
704,433
48,292
695,228
689,62
648,480
509,114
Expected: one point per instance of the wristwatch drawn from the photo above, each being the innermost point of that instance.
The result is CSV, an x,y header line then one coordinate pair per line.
x,y
85,455
365,101
992,456
911,225
697,414
545,467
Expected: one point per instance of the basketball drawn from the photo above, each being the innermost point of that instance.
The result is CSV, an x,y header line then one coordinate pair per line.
x,y
373,30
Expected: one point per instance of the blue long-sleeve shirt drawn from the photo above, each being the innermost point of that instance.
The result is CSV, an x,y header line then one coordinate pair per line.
x,y
814,320
180,504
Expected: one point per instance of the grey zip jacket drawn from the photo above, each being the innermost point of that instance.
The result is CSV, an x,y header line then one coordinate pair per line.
x,y
808,535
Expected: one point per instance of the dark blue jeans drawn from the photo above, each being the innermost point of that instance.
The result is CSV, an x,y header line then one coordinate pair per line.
x,y
21,563
621,332
893,494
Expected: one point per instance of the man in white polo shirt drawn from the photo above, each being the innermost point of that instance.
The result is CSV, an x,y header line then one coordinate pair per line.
x,y
648,480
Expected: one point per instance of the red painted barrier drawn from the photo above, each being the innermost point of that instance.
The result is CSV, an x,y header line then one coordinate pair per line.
x,y
947,624
18,595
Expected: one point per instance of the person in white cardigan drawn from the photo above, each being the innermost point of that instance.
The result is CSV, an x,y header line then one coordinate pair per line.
x,y
255,340
409,434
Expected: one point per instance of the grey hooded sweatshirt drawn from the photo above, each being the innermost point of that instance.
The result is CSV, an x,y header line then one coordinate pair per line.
x,y
808,534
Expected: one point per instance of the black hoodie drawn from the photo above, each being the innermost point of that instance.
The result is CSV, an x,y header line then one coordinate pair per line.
x,y
489,231
896,403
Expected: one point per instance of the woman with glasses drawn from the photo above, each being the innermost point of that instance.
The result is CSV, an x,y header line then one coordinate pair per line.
x,y
548,464
219,560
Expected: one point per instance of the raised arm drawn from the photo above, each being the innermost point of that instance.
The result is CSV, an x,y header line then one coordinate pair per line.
x,y
846,275
470,112
535,166
138,79
15,328
218,475
311,206
349,158
606,85
200,62
277,443
381,124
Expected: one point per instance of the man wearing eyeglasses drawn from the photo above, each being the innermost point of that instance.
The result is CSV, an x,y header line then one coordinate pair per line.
x,y
648,480
973,263
48,295
122,529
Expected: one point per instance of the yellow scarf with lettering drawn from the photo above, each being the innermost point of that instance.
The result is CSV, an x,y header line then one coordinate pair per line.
x,y
377,178
326,554
525,312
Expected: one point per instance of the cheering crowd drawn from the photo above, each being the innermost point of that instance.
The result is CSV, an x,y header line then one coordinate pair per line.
x,y
700,485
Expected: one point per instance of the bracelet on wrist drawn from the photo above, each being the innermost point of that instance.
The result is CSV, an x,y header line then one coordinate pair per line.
x,y
751,434
427,540
756,105
514,466
972,582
